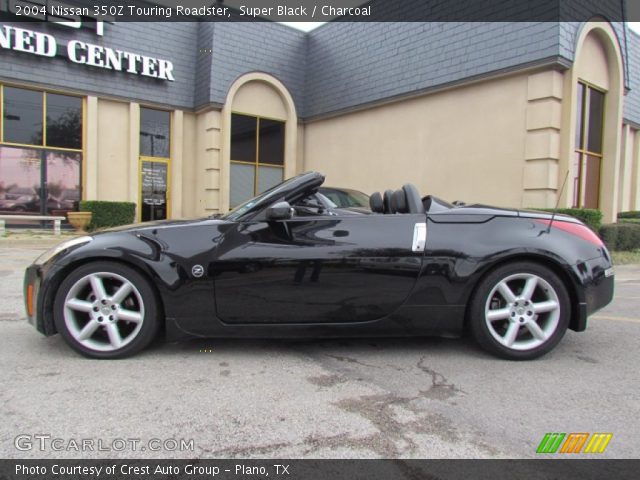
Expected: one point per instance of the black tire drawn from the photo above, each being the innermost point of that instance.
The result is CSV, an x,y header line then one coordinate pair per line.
x,y
141,301
486,299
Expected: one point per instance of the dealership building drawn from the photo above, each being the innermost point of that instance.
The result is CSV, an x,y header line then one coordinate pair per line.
x,y
191,118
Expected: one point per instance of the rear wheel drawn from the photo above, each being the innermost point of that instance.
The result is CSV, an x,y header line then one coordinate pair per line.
x,y
520,311
106,310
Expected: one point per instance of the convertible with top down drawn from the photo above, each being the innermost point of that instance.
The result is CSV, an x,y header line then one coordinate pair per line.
x,y
290,263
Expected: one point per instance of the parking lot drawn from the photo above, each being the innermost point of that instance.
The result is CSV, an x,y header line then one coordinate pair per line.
x,y
412,398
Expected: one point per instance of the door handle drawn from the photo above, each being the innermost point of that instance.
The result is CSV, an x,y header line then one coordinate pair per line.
x,y
419,237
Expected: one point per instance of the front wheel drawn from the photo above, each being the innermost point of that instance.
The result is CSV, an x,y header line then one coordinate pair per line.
x,y
106,310
520,311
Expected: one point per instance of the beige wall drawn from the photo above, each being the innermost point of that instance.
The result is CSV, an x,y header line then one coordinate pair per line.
x,y
113,151
542,143
189,170
465,144
206,187
259,98
627,161
630,170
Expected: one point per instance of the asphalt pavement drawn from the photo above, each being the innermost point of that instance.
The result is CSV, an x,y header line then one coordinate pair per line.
x,y
365,398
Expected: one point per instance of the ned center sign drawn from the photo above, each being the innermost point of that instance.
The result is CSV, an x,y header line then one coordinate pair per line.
x,y
84,53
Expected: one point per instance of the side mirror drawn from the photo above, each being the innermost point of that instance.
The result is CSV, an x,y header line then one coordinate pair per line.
x,y
280,211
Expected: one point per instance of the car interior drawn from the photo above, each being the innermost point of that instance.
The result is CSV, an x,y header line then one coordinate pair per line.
x,y
405,200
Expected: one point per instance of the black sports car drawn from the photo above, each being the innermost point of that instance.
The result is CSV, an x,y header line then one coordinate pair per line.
x,y
285,264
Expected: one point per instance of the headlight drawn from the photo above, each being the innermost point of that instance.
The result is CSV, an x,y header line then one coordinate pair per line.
x,y
49,254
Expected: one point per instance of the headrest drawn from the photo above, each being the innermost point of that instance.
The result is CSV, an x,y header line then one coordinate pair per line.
x,y
413,200
399,202
386,201
375,202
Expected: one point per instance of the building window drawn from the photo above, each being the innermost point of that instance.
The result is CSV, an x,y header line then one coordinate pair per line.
x,y
40,152
155,144
64,121
588,153
257,156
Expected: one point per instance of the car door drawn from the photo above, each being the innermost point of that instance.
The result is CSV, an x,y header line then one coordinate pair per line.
x,y
318,269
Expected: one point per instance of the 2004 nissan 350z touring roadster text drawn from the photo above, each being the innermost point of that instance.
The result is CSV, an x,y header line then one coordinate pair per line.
x,y
289,263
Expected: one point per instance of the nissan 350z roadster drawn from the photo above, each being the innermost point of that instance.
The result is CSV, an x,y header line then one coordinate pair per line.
x,y
289,263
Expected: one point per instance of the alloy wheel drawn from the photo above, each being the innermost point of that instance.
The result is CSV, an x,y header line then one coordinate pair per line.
x,y
522,311
103,311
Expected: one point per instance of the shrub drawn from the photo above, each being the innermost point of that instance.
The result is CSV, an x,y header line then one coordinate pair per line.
x,y
591,217
631,214
609,235
108,214
621,236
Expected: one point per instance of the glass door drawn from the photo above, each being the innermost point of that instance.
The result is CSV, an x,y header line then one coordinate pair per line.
x,y
155,148
154,196
62,186
20,181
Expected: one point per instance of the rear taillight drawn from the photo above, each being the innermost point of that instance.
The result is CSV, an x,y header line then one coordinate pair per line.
x,y
576,229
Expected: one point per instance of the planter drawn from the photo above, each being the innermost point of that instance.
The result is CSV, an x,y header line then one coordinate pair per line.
x,y
79,220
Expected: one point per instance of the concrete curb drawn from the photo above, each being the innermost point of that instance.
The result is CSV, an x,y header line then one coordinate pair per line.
x,y
26,240
28,243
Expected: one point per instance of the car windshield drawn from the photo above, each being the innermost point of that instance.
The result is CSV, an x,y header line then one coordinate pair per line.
x,y
344,198
326,200
261,199
359,199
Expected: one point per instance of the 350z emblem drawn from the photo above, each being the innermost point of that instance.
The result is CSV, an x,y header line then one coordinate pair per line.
x,y
197,271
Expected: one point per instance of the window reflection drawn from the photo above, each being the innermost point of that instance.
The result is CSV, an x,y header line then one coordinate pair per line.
x,y
63,182
154,133
19,180
271,142
22,116
596,115
243,138
154,191
21,187
64,121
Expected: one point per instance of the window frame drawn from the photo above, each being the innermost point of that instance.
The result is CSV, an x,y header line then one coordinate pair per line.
x,y
147,158
257,164
582,133
44,147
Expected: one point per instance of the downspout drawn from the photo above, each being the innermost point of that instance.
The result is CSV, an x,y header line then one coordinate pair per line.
x,y
627,73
